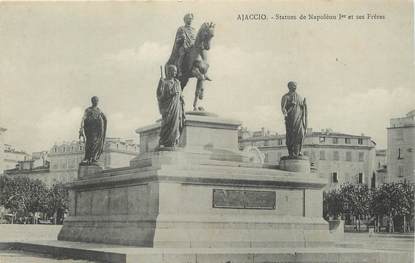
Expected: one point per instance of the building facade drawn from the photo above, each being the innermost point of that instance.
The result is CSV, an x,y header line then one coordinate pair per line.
x,y
338,157
13,156
63,160
401,147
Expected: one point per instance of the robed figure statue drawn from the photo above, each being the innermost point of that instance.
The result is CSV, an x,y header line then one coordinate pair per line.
x,y
294,108
171,106
93,130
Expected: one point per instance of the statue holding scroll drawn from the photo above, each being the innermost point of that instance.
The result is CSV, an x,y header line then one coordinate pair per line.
x,y
93,130
294,108
171,106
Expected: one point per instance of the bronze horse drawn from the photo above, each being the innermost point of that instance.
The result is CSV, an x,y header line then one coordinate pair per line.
x,y
195,63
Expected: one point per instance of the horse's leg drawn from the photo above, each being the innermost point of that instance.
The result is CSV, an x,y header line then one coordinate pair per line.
x,y
198,93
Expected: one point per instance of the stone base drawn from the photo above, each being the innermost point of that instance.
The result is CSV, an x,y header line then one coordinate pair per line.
x,y
337,229
201,130
301,165
124,254
178,199
87,171
204,194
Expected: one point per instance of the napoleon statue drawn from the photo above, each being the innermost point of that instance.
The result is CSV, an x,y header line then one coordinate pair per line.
x,y
294,108
93,130
189,55
171,106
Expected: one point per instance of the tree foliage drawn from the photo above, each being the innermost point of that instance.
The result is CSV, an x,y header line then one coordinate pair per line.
x,y
388,200
23,196
333,204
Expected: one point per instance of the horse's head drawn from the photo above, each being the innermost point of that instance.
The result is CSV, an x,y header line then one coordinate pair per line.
x,y
205,34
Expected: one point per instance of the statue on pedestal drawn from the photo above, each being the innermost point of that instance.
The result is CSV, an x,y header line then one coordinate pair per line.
x,y
189,55
93,130
294,108
171,106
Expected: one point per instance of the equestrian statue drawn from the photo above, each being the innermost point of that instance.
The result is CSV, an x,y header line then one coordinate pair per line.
x,y
189,55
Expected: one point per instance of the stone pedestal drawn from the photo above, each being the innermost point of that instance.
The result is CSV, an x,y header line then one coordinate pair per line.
x,y
295,165
86,171
202,195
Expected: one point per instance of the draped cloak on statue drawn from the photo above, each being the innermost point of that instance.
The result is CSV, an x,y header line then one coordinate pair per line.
x,y
94,124
295,121
184,40
170,101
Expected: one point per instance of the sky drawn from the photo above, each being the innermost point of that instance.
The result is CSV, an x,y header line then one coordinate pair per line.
x,y
355,74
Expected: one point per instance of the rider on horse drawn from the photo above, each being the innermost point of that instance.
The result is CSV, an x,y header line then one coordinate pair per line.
x,y
189,55
185,39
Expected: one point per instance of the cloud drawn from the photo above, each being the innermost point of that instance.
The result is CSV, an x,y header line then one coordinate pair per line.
x,y
366,112
58,125
148,53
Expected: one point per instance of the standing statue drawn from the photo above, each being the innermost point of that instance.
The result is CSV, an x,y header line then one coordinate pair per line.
x,y
294,108
93,130
189,55
171,106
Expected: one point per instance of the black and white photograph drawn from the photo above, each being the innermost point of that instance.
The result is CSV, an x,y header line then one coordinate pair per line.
x,y
207,131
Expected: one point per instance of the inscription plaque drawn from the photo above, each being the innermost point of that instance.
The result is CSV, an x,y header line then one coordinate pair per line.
x,y
244,199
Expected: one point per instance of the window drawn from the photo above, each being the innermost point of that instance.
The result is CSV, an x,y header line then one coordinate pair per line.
x,y
399,135
335,156
360,178
63,164
305,153
334,178
400,171
72,163
359,141
347,140
266,159
335,140
399,154
322,155
373,182
266,143
279,141
349,156
361,156
322,139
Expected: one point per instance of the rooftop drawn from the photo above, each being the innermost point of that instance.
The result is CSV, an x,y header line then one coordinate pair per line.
x,y
325,133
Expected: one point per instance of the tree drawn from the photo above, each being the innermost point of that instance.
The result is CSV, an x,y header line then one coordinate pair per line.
x,y
57,202
391,200
21,195
356,200
333,204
